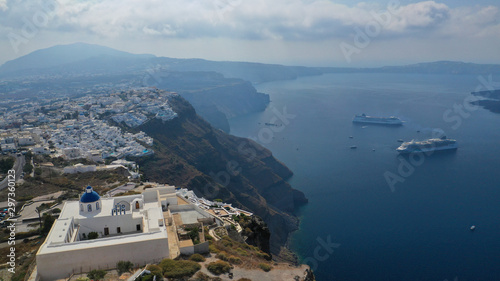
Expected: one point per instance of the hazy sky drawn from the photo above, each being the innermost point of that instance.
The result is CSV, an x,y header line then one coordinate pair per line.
x,y
306,32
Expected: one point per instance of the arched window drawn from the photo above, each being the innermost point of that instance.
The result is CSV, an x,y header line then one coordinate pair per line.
x,y
81,207
137,205
89,208
97,205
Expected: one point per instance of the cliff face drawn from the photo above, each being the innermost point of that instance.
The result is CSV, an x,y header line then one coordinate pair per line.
x,y
214,97
190,153
256,232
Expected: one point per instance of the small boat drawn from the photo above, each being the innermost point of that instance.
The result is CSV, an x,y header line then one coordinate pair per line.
x,y
353,147
472,228
400,140
373,149
350,137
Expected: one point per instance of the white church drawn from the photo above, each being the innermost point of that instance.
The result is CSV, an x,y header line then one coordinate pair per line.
x,y
129,228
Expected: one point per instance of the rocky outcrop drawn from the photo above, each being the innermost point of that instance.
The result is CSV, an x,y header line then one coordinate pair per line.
x,y
309,275
191,153
256,232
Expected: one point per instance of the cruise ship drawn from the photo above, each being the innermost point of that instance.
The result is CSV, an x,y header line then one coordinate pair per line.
x,y
363,118
427,145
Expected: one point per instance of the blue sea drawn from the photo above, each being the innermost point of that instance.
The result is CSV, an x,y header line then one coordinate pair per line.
x,y
358,225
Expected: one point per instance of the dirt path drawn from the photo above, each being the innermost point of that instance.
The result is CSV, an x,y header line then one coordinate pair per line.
x,y
280,272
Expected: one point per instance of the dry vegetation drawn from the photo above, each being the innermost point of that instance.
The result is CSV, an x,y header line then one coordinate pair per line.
x,y
25,255
240,254
50,181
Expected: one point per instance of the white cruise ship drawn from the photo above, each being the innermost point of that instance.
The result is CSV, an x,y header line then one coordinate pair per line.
x,y
427,145
363,118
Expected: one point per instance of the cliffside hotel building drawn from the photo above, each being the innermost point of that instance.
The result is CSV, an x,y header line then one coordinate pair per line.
x,y
129,228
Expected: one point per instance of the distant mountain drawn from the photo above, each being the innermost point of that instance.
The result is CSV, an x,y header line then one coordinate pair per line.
x,y
82,58
442,67
60,55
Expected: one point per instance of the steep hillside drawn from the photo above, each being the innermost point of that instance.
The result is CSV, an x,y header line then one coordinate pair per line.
x,y
61,55
190,153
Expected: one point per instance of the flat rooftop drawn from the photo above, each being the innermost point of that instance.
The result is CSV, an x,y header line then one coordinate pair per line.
x,y
190,216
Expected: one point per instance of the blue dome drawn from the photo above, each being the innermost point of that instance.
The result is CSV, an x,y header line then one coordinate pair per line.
x,y
89,196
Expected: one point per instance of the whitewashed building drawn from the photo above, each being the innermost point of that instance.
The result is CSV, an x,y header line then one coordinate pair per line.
x,y
129,228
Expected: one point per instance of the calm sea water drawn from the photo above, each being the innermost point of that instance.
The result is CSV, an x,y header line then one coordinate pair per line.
x,y
419,231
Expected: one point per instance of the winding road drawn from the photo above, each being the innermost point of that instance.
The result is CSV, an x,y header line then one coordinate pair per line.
x,y
18,167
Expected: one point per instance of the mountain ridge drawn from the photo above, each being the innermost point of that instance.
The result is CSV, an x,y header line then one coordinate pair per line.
x,y
72,55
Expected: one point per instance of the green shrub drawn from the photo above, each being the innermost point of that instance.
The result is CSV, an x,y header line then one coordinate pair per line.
x,y
234,260
263,255
242,252
194,234
244,279
222,256
226,241
148,277
93,235
155,271
213,249
218,267
197,258
177,269
28,168
48,221
265,267
124,266
200,276
96,274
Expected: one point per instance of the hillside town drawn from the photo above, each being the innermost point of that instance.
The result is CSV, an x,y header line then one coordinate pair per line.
x,y
85,127
95,137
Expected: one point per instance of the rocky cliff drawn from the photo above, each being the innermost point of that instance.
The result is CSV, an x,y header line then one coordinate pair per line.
x,y
256,232
191,153
214,97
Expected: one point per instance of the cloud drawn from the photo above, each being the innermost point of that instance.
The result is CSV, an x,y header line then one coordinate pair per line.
x,y
3,5
287,20
423,15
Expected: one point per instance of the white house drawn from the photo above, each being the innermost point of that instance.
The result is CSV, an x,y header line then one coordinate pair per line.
x,y
25,141
40,150
8,147
129,228
94,156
